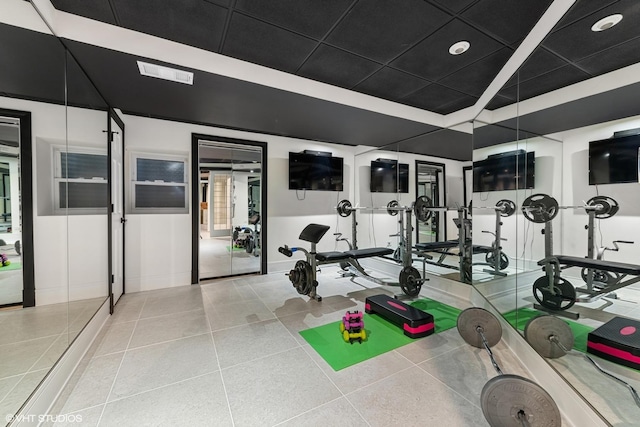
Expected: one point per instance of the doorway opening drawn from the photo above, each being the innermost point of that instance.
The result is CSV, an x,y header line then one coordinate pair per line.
x,y
228,202
431,183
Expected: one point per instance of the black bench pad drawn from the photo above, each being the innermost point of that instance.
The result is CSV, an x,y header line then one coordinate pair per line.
x,y
332,256
434,246
414,322
369,252
615,267
353,254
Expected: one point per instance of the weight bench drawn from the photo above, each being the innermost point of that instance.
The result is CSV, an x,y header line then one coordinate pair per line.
x,y
601,277
303,276
415,322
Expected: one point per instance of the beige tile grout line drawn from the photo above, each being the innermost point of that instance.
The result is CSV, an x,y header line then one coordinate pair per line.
x,y
113,383
215,350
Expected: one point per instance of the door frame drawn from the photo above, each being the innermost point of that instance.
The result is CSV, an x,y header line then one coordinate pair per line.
x,y
110,278
195,199
26,205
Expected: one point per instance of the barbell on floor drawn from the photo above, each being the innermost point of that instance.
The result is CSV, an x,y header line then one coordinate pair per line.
x,y
506,400
541,208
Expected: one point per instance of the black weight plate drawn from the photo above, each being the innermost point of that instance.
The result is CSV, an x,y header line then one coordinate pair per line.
x,y
410,281
563,298
540,208
539,330
302,277
249,245
608,206
504,260
391,207
472,318
344,208
421,208
515,401
607,278
507,206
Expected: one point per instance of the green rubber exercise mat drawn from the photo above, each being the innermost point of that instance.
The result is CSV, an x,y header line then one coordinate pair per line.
x,y
235,249
12,266
580,331
382,336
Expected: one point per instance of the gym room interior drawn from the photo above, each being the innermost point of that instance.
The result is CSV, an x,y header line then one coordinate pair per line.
x,y
233,213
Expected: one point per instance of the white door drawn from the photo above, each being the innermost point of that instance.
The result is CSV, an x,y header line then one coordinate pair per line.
x,y
117,214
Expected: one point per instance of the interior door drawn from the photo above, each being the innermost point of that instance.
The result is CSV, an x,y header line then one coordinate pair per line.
x,y
117,218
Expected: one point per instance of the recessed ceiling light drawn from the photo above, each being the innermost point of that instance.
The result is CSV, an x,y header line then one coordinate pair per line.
x,y
459,47
165,73
606,22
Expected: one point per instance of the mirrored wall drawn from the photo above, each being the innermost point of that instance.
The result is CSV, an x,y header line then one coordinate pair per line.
x,y
574,219
53,205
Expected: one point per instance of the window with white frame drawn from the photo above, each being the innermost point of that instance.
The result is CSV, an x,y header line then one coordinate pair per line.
x,y
159,183
80,180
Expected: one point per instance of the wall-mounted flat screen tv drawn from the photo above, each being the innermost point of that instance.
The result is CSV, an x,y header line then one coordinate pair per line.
x,y
505,171
614,160
389,176
309,171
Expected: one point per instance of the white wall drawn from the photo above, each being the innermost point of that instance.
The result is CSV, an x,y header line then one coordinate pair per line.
x,y
525,240
78,269
158,247
625,225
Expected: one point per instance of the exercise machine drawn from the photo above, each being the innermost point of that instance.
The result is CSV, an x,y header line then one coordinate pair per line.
x,y
552,338
494,256
506,400
552,291
410,279
304,274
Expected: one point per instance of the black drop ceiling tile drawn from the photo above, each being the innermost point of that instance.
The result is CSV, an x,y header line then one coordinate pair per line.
x,y
390,84
577,41
539,62
255,41
454,5
192,22
382,29
37,65
431,59
580,9
499,101
224,3
507,20
612,59
433,96
98,10
475,78
552,80
456,105
310,17
334,66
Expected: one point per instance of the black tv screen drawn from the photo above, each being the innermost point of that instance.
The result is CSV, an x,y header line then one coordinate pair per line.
x,y
614,160
315,172
389,176
505,171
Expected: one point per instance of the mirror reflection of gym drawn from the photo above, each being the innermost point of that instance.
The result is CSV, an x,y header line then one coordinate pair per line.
x,y
11,281
230,209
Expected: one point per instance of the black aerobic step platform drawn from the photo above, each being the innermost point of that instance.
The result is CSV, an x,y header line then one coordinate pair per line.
x,y
618,340
415,322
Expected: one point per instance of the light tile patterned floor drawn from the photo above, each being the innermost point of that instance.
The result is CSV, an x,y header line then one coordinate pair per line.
x,y
228,353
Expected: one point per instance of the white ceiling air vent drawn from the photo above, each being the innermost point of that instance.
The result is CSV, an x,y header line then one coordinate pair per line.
x,y
165,73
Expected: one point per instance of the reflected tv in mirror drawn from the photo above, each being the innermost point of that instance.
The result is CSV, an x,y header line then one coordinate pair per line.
x,y
311,171
505,171
614,160
389,176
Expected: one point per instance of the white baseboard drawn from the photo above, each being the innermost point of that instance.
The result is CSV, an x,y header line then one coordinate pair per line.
x,y
36,409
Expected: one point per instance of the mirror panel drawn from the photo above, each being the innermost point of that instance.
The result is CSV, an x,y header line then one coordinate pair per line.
x,y
52,99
